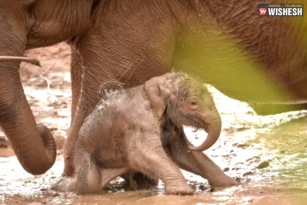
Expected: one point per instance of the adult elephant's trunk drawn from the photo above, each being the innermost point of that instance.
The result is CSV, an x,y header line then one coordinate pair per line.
x,y
34,146
213,128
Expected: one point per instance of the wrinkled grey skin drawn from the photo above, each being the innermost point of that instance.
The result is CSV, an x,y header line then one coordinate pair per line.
x,y
143,133
226,44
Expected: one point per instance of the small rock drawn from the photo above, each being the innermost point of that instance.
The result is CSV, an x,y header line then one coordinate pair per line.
x,y
248,174
250,200
211,189
236,168
238,179
53,128
4,143
243,145
54,194
202,187
226,169
193,186
263,164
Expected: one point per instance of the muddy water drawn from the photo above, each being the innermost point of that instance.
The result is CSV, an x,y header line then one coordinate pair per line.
x,y
266,153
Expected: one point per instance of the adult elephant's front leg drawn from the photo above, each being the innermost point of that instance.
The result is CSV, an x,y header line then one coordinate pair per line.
x,y
81,112
197,162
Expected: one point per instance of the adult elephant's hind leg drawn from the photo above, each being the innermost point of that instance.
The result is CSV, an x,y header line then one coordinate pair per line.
x,y
76,75
76,85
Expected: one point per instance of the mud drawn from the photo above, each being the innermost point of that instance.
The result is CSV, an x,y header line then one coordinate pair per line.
x,y
266,153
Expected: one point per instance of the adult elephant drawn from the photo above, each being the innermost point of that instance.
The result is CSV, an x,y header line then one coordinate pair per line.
x,y
226,44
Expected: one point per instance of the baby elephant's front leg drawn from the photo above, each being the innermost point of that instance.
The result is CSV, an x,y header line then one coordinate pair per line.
x,y
153,161
198,163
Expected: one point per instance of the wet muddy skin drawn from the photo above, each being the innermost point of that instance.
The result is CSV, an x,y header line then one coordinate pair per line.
x,y
267,153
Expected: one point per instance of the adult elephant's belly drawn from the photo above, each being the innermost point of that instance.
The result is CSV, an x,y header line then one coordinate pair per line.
x,y
274,87
248,82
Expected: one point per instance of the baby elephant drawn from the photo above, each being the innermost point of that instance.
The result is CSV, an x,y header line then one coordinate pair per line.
x,y
140,130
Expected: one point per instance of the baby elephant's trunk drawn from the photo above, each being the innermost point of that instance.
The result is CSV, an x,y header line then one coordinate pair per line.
x,y
213,128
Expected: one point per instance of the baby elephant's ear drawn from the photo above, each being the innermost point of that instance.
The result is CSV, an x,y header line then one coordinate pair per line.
x,y
154,93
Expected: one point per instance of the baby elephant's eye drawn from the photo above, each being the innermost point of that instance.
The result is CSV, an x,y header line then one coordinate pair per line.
x,y
193,105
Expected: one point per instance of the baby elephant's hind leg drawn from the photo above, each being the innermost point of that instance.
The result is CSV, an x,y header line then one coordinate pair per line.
x,y
139,181
86,180
107,175
65,184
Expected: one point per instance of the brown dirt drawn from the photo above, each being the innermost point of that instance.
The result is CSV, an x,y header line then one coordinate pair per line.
x,y
266,153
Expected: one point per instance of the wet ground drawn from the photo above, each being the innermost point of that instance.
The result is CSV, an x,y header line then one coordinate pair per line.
x,y
266,153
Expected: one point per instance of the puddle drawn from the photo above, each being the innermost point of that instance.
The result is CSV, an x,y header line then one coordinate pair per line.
x,y
267,153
